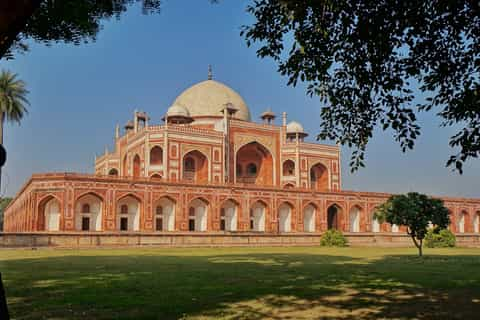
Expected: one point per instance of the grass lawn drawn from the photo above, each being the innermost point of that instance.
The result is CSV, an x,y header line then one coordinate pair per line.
x,y
242,283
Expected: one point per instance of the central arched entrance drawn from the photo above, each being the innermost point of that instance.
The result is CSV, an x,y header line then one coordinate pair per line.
x,y
254,165
333,217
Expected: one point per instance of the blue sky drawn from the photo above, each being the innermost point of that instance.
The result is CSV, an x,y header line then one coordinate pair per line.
x,y
79,93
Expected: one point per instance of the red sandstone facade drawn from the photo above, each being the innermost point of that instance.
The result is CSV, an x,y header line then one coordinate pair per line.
x,y
208,168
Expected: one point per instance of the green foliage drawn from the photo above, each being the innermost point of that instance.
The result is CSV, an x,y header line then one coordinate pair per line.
x,y
415,211
333,238
440,238
74,21
362,57
3,204
13,98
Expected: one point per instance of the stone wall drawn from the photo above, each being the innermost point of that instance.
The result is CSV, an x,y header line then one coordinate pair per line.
x,y
114,239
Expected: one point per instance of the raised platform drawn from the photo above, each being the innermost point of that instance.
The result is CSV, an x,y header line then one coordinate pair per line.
x,y
183,239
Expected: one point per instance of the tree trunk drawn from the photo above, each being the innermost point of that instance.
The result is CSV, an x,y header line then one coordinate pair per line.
x,y
418,245
2,121
14,15
3,302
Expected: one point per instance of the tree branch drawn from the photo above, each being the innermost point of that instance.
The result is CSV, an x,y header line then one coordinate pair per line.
x,y
14,15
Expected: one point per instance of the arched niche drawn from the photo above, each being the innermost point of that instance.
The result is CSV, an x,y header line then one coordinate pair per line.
x,y
156,156
476,222
285,217
195,167
334,213
128,214
309,215
258,212
288,168
319,179
164,214
136,166
113,172
461,222
354,219
88,213
198,215
50,213
229,216
254,164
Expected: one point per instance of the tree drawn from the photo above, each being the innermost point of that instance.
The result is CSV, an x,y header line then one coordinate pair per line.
x,y
363,59
13,99
3,204
71,21
415,211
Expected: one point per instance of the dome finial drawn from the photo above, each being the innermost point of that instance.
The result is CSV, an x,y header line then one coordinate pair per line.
x,y
210,76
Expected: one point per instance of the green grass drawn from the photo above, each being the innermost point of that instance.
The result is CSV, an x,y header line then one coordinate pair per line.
x,y
242,283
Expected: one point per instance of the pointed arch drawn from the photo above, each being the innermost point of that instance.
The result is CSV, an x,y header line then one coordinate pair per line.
x,y
476,222
195,167
229,215
125,165
49,208
128,211
164,213
319,177
88,212
285,217
334,216
136,166
309,217
354,218
462,221
258,162
198,214
156,156
288,168
258,212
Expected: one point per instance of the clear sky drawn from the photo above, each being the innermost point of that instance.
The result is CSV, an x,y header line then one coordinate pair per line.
x,y
79,93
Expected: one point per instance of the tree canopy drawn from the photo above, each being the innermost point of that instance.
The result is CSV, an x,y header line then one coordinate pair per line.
x,y
363,58
47,21
415,211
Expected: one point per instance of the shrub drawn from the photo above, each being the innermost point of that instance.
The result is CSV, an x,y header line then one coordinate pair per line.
x,y
333,238
440,238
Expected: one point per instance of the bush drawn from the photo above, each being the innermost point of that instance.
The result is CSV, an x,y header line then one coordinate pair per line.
x,y
440,238
333,238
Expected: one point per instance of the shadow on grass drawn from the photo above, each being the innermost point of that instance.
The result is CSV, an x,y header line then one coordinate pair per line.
x,y
243,286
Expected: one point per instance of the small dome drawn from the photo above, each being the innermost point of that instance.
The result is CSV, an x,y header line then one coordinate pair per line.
x,y
177,111
208,98
295,127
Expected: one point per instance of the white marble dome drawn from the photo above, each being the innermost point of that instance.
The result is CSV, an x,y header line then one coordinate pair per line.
x,y
177,111
295,127
209,97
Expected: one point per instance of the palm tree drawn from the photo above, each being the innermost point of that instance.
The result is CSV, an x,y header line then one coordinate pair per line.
x,y
12,99
12,102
